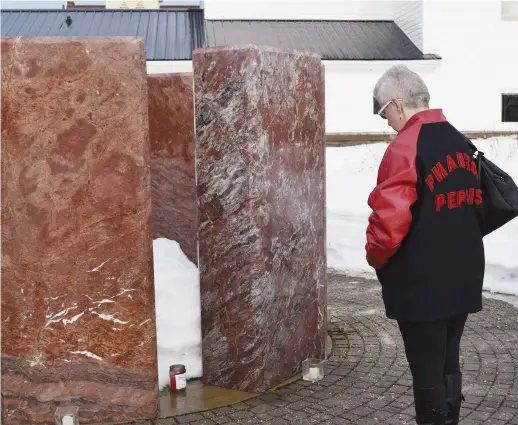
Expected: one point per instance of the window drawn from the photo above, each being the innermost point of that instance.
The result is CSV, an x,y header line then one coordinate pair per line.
x,y
509,10
510,108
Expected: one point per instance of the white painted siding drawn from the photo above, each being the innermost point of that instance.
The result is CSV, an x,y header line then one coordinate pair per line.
x,y
349,100
301,9
168,67
408,15
480,61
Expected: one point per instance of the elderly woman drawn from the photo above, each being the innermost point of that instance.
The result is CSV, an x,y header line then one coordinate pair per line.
x,y
424,239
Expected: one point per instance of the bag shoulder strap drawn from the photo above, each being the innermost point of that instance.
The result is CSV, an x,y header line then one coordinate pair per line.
x,y
478,156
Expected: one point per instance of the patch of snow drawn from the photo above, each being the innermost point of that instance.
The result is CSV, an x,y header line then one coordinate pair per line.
x,y
387,339
502,245
178,310
368,312
351,174
510,299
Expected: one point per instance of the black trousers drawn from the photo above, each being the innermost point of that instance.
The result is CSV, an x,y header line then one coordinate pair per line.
x,y
432,349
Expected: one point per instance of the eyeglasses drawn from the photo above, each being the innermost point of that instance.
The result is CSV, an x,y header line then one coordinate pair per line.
x,y
382,113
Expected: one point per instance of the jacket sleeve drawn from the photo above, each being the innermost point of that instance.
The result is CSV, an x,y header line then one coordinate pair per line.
x,y
391,200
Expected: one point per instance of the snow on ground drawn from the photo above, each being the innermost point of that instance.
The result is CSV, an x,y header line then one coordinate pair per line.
x,y
351,175
177,303
502,245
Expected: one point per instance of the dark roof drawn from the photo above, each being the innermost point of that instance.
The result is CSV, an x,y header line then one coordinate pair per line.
x,y
169,34
332,40
175,34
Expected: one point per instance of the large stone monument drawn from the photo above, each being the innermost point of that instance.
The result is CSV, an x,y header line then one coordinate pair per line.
x,y
78,315
173,180
261,193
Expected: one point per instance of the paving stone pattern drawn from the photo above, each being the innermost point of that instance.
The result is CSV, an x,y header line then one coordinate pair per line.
x,y
367,377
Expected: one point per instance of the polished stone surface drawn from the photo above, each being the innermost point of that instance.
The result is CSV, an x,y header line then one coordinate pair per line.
x,y
261,194
78,317
173,180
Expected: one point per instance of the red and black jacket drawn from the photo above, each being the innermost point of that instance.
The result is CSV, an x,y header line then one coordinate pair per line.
x,y
425,232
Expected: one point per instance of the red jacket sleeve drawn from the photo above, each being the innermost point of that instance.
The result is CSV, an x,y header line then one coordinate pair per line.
x,y
392,198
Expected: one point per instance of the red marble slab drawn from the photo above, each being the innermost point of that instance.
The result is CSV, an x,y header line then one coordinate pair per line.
x,y
261,193
173,180
78,314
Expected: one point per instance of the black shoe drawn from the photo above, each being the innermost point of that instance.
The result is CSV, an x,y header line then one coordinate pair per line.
x,y
454,398
430,405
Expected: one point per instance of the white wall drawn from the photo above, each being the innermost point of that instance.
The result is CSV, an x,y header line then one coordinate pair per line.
x,y
168,67
480,61
299,9
349,100
408,14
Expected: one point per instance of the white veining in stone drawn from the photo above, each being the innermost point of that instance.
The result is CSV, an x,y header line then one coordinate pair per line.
x,y
110,317
87,354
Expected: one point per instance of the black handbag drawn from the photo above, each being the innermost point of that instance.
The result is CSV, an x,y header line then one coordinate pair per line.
x,y
499,192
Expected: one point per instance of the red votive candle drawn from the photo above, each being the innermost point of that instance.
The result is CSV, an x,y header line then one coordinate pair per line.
x,y
177,377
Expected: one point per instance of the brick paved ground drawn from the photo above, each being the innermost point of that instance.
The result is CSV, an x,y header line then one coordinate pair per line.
x,y
367,379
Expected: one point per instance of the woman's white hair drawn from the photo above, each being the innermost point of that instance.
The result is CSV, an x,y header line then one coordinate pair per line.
x,y
398,82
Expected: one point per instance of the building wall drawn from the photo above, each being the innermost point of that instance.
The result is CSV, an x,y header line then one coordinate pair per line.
x,y
168,67
480,60
478,65
408,14
292,9
349,100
